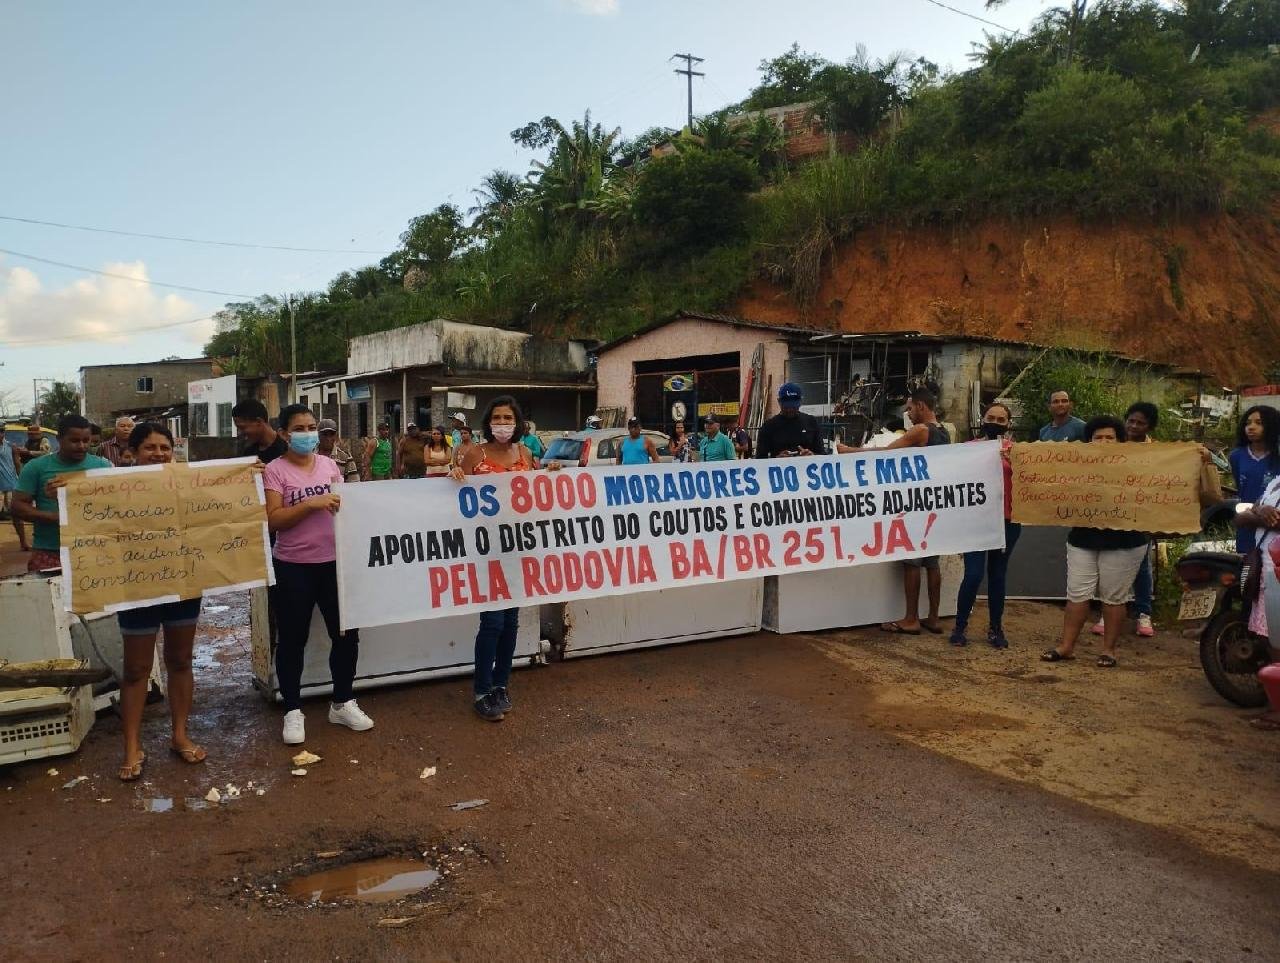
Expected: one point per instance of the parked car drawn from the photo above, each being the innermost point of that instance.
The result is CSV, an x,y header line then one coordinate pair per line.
x,y
599,447
15,433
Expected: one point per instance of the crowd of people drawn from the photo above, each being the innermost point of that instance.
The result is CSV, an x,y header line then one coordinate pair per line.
x,y
303,463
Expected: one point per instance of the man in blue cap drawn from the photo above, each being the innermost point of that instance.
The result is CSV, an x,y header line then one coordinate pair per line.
x,y
791,432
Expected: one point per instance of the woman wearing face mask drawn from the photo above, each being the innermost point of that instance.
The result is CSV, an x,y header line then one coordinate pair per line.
x,y
995,563
301,503
502,426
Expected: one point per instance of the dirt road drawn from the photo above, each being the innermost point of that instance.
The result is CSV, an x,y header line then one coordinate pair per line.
x,y
762,797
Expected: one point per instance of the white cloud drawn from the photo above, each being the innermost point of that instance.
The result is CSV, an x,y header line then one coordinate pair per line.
x,y
99,309
595,8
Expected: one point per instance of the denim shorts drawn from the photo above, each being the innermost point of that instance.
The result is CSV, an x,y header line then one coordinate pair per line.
x,y
149,618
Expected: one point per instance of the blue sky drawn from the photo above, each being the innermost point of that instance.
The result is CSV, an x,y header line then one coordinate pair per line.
x,y
328,125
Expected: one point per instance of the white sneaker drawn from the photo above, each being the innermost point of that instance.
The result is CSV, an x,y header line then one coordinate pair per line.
x,y
349,714
295,730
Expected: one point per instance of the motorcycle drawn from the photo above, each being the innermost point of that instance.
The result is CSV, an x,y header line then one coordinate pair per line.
x,y
1212,589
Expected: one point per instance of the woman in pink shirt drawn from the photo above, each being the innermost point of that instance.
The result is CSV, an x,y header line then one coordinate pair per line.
x,y
301,502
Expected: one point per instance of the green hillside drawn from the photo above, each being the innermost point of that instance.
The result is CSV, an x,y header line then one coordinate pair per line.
x,y
1119,108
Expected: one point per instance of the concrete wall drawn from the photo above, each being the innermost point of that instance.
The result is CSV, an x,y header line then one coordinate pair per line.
x,y
465,348
109,389
684,338
962,364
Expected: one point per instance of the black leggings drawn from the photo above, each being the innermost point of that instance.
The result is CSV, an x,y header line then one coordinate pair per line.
x,y
299,588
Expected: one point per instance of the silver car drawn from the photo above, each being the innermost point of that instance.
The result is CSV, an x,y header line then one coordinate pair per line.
x,y
599,447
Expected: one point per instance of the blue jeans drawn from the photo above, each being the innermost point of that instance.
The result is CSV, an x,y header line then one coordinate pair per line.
x,y
495,648
995,565
1143,587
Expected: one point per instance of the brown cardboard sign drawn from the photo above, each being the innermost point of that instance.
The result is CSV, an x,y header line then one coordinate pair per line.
x,y
160,533
1125,486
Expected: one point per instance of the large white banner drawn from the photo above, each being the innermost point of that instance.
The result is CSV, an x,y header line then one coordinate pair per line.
x,y
427,548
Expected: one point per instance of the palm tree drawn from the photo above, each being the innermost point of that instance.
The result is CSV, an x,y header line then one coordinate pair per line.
x,y
497,198
60,398
581,160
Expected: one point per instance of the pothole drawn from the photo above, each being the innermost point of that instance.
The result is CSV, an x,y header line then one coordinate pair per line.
x,y
166,804
364,870
367,881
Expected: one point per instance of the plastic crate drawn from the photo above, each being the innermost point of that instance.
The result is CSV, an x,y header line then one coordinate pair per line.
x,y
37,723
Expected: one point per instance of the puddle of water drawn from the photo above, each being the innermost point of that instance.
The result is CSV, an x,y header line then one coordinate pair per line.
x,y
165,804
370,881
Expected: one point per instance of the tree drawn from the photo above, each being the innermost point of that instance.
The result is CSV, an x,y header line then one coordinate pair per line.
x,y
431,239
785,79
252,338
60,398
573,176
856,97
694,198
637,149
497,198
1073,14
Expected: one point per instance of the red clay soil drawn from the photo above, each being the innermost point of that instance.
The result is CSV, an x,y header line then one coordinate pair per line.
x,y
1202,292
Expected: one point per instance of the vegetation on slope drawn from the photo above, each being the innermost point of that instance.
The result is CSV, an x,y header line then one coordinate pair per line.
x,y
1119,108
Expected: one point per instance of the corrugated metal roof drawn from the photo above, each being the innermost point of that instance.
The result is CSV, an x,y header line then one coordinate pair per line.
x,y
821,335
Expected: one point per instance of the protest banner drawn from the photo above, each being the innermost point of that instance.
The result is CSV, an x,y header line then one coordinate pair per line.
x,y
161,533
1131,487
410,550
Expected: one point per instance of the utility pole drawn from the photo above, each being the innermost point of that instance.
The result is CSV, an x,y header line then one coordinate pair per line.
x,y
35,394
689,73
293,352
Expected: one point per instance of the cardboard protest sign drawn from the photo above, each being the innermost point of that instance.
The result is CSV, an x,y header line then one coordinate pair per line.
x,y
160,533
1131,487
421,549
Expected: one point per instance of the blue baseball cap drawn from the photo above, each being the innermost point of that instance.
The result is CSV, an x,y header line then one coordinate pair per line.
x,y
789,395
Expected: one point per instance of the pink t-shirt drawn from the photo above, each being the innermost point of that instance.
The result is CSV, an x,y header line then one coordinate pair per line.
x,y
311,540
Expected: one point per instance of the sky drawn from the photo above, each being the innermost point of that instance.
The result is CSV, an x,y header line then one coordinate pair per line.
x,y
328,125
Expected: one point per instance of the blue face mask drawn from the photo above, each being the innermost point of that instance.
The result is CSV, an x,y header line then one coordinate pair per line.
x,y
304,442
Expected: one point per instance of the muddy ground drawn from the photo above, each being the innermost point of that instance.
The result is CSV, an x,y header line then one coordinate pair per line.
x,y
839,795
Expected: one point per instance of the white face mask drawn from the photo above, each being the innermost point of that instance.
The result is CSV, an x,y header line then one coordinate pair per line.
x,y
503,433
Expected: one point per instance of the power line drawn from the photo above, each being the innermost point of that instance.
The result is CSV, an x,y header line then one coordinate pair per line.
x,y
188,240
124,277
971,16
81,337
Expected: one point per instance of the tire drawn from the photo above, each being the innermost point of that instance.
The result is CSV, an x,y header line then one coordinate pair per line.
x,y
1241,688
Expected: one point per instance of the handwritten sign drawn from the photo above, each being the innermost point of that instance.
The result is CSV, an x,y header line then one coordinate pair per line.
x,y
1132,487
161,533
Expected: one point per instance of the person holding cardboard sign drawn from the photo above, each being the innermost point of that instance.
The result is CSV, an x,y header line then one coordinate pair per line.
x,y
301,503
152,444
1101,563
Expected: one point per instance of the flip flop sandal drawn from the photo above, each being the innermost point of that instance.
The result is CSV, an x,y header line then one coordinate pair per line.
x,y
1053,655
1106,662
133,772
932,629
893,628
192,756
